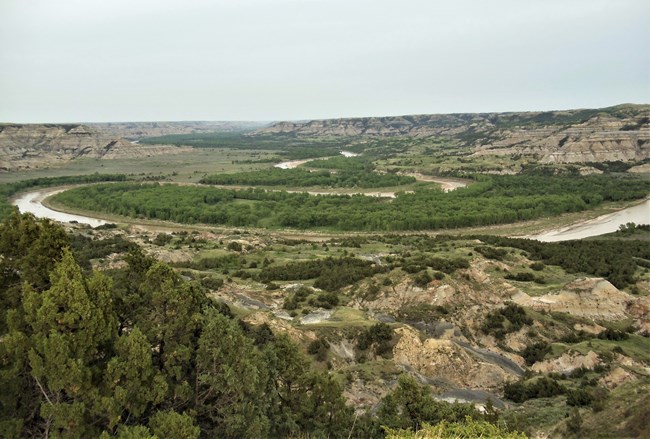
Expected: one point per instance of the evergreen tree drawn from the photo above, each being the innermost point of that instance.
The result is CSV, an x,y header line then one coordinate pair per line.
x,y
230,381
133,383
170,424
72,324
171,322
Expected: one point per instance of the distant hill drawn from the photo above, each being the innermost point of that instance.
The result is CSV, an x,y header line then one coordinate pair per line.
x,y
592,135
26,146
138,130
38,145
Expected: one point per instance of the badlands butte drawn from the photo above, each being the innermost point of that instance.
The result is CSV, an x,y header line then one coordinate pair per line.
x,y
620,133
547,339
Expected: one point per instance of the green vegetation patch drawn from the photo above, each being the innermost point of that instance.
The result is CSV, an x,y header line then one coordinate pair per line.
x,y
330,273
615,260
290,147
303,178
492,200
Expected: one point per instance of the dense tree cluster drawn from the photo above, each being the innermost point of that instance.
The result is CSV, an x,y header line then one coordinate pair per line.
x,y
140,354
86,248
491,200
342,164
411,404
306,296
377,337
418,262
303,178
330,273
502,321
615,260
535,352
289,146
543,387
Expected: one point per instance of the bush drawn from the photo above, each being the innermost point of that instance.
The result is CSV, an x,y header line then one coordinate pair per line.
x,y
579,397
613,334
422,279
521,277
162,239
510,318
492,253
212,283
535,352
537,266
522,391
377,336
234,246
318,348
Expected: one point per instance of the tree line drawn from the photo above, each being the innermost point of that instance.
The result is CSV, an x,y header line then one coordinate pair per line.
x,y
615,260
299,177
491,200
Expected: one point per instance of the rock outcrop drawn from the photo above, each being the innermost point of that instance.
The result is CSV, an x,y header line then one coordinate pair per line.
x,y
40,145
620,133
567,363
441,358
593,298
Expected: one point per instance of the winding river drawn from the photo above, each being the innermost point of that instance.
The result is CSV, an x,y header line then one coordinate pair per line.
x,y
32,202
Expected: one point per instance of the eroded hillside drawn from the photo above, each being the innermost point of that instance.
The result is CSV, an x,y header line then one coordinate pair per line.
x,y
471,318
42,145
620,133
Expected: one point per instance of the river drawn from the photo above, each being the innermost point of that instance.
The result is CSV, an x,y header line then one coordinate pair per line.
x,y
291,164
32,202
639,214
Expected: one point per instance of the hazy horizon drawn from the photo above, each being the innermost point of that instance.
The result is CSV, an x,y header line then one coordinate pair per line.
x,y
305,120
75,61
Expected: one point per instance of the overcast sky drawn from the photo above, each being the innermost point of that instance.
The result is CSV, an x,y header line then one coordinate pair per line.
x,y
144,60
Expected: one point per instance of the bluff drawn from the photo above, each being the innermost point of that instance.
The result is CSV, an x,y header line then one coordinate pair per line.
x,y
25,146
573,136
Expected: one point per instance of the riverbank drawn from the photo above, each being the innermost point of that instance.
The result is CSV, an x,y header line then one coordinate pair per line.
x,y
608,223
32,202
35,202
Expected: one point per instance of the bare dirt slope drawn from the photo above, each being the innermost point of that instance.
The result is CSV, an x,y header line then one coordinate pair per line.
x,y
575,136
41,145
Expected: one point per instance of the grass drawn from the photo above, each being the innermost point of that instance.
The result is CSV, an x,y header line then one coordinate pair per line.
x,y
636,347
626,413
344,317
189,167
537,414
554,277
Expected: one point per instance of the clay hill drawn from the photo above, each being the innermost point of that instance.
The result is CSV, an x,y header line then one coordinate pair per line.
x,y
28,146
594,135
38,145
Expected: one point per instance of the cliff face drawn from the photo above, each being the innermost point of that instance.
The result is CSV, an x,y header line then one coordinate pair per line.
x,y
609,134
601,138
39,145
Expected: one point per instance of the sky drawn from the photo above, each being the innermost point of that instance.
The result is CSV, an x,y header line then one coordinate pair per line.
x,y
268,60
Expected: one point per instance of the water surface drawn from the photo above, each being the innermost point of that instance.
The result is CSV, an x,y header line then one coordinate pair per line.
x,y
32,202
